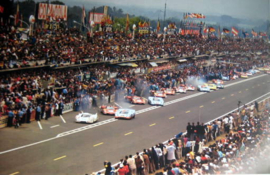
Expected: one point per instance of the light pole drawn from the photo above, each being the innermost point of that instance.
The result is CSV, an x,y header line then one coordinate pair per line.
x,y
11,16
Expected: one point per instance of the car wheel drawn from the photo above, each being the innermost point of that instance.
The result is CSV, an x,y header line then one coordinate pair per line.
x,y
134,116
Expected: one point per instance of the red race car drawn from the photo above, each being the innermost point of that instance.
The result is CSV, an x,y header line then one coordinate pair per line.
x,y
169,91
110,110
158,94
217,81
135,100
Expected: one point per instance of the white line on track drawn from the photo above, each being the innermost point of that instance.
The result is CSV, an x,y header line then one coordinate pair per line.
x,y
112,120
54,126
63,119
39,124
117,105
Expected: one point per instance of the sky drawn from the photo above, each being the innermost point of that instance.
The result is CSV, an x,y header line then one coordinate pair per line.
x,y
247,9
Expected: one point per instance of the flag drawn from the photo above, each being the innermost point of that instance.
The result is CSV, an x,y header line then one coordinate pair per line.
x,y
21,25
83,18
235,31
205,30
158,26
226,30
127,23
186,16
212,29
219,34
255,34
263,34
17,16
2,9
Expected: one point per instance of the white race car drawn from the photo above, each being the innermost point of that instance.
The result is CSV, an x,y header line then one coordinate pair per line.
x,y
181,89
86,118
156,101
204,88
125,114
190,88
220,86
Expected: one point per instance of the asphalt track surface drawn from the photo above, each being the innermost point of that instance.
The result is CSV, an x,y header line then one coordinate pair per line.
x,y
76,149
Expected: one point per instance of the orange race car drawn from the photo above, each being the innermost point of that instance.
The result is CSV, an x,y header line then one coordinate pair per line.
x,y
135,100
110,110
158,94
217,81
169,91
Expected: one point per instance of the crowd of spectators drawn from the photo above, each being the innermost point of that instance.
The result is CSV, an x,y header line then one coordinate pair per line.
x,y
68,46
46,90
242,149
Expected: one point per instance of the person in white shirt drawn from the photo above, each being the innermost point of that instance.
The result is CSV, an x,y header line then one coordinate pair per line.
x,y
132,164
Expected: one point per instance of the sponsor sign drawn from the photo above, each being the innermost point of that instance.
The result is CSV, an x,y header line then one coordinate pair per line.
x,y
53,11
96,17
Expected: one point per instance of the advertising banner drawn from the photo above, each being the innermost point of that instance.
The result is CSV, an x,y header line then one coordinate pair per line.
x,y
96,17
52,11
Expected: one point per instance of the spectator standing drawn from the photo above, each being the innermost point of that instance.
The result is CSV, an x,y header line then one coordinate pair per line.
x,y
132,164
146,162
10,118
139,165
189,128
38,113
171,152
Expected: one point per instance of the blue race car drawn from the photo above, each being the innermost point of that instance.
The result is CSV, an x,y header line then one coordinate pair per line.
x,y
225,78
156,101
203,88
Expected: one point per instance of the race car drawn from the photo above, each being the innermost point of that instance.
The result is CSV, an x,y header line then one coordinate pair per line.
x,y
181,89
203,88
158,94
190,88
244,75
125,114
225,78
217,81
135,100
234,77
212,86
110,110
219,86
156,101
249,73
169,91
86,118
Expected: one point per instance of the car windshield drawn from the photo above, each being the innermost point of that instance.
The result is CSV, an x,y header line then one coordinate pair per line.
x,y
123,112
156,99
110,107
136,98
85,115
159,92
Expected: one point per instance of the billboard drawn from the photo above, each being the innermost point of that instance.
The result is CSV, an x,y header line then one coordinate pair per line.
x,y
96,17
53,11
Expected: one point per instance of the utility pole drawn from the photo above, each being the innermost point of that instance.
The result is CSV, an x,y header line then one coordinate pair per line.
x,y
164,14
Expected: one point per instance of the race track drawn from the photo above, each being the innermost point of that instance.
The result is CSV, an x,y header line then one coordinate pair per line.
x,y
63,150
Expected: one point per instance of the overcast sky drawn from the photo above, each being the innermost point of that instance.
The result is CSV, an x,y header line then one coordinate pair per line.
x,y
248,9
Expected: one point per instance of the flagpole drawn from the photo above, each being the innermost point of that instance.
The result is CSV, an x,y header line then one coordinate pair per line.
x,y
165,13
